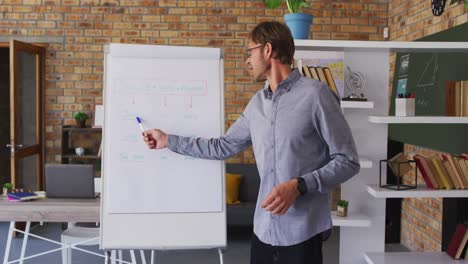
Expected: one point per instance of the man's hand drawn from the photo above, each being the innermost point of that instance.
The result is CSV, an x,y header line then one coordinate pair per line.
x,y
155,139
281,197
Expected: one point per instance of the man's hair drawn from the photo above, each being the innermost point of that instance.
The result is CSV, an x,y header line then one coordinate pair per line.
x,y
279,36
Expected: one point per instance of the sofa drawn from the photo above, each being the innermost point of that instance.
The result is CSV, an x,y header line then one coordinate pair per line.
x,y
242,214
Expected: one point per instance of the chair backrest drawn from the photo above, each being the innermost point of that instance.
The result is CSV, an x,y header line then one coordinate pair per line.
x,y
97,184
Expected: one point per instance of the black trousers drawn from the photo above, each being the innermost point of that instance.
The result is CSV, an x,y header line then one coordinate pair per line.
x,y
307,252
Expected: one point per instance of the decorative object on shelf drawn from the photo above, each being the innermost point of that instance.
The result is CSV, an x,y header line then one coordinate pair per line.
x,y
81,118
398,166
79,151
298,23
405,105
437,7
465,2
98,116
355,83
342,208
7,188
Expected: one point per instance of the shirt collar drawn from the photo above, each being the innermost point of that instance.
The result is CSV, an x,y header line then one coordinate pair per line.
x,y
284,85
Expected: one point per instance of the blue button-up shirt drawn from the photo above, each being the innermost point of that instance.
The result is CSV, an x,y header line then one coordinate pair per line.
x,y
297,131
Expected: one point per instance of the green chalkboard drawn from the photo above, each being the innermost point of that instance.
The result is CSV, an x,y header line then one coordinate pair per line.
x,y
425,76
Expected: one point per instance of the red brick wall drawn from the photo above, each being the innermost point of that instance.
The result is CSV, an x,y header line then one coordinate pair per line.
x,y
409,20
74,68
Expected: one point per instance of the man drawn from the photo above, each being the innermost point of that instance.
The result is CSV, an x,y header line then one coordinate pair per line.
x,y
302,144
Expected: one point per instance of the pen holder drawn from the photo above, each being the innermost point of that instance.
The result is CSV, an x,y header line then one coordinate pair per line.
x,y
404,106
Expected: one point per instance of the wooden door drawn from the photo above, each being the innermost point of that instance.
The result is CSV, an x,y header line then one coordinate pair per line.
x,y
26,148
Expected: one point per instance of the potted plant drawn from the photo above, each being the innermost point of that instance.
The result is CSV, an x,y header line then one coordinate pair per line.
x,y
465,2
298,23
81,118
7,188
342,208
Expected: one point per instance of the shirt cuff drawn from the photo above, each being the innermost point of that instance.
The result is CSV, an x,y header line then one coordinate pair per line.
x,y
172,142
311,182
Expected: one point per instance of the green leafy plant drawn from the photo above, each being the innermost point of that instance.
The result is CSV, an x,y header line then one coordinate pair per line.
x,y
460,1
342,203
81,116
294,6
8,186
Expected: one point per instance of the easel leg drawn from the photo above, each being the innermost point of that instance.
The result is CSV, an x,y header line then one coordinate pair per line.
x,y
152,256
25,241
220,251
8,244
106,257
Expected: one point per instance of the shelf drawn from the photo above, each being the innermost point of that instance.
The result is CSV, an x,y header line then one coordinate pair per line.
x,y
411,257
356,220
90,129
421,192
418,119
357,104
365,163
373,46
71,156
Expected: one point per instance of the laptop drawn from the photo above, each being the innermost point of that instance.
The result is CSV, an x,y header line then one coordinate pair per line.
x,y
69,181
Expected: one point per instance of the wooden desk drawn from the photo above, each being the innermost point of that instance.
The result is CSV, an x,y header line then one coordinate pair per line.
x,y
50,210
45,210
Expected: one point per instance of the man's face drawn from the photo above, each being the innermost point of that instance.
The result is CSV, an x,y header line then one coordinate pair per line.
x,y
256,61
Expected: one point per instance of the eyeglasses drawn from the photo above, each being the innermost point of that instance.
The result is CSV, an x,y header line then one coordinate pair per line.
x,y
250,49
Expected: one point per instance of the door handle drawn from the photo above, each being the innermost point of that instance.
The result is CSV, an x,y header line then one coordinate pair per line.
x,y
13,146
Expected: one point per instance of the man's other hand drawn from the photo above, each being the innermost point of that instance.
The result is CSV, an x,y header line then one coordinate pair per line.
x,y
281,197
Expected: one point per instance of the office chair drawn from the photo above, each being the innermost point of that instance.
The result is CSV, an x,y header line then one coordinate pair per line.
x,y
89,236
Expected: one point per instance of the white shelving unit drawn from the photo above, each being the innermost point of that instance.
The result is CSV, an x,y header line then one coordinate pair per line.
x,y
356,220
418,120
412,258
351,104
364,230
419,192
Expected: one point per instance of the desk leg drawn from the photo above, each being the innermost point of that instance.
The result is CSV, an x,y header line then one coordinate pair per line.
x,y
25,241
8,244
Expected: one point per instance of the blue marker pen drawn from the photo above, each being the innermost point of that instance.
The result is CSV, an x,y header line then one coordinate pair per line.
x,y
140,125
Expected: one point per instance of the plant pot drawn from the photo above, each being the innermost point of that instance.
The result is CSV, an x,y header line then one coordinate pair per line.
x,y
299,24
342,211
80,123
5,191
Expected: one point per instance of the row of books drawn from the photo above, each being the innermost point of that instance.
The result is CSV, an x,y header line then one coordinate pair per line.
x,y
458,245
22,196
446,171
322,74
456,98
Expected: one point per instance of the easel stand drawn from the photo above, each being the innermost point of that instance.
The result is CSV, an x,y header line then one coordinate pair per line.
x,y
110,259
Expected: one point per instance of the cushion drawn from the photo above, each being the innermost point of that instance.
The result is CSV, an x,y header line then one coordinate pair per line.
x,y
232,188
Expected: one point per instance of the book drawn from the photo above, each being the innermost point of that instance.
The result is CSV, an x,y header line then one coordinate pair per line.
x,y
399,164
459,170
330,81
463,167
314,73
456,170
435,173
306,72
451,174
457,240
464,98
23,196
423,166
462,248
447,181
321,75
